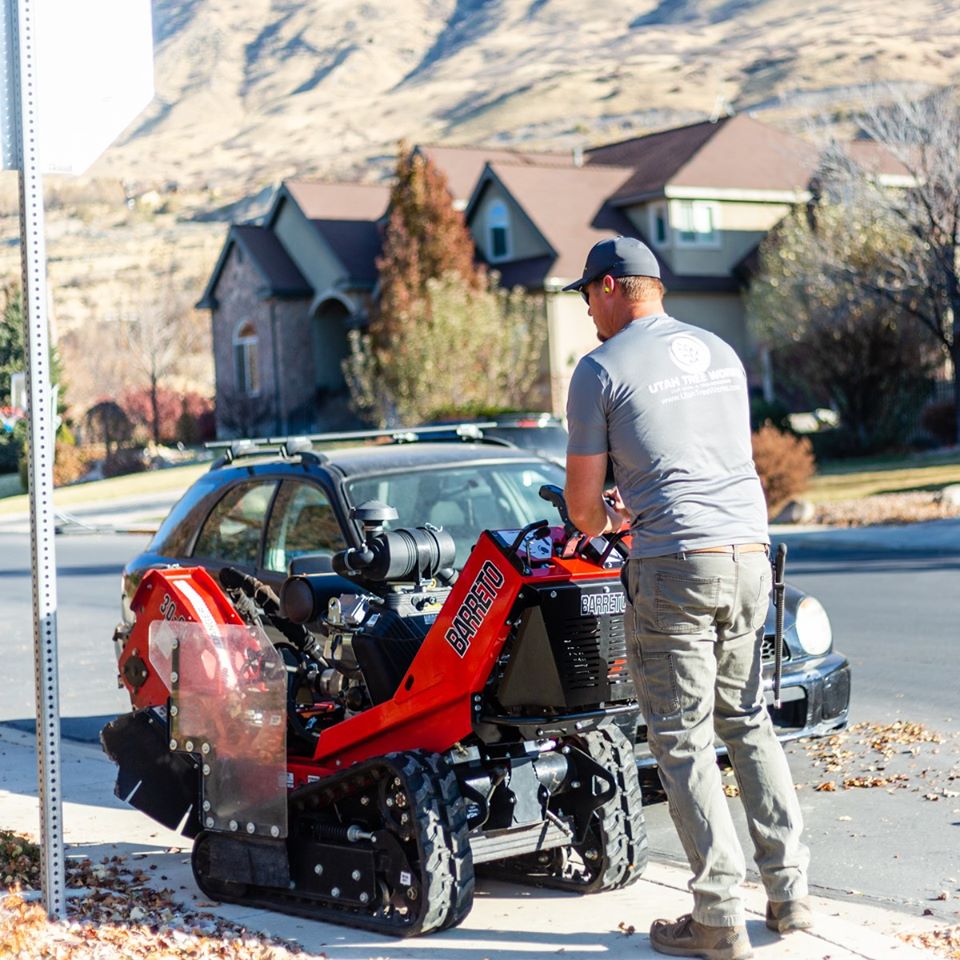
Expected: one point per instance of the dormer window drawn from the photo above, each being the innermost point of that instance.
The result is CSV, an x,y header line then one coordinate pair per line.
x,y
246,360
498,231
695,222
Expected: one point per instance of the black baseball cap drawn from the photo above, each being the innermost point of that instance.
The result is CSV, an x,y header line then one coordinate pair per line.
x,y
618,257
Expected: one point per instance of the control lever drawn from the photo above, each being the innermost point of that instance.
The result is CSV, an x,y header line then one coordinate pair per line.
x,y
554,495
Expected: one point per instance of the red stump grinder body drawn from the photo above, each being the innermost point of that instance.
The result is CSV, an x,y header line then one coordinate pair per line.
x,y
358,771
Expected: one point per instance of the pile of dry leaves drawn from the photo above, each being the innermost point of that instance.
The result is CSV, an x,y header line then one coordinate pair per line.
x,y
113,913
946,941
871,747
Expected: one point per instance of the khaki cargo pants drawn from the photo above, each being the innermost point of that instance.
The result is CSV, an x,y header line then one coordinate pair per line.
x,y
694,628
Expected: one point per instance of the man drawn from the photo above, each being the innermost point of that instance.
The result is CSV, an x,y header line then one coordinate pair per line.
x,y
667,403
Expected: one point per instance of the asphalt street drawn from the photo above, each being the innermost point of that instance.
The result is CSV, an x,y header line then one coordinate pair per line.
x,y
894,613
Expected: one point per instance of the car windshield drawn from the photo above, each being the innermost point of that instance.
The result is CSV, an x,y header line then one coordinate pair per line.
x,y
464,500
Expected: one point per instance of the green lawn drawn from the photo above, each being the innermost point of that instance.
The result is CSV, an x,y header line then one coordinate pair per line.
x,y
102,491
853,479
837,480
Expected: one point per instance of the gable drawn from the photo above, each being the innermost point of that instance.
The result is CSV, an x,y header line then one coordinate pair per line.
x,y
524,239
279,275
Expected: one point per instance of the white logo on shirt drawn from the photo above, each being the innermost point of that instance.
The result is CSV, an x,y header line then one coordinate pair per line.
x,y
689,353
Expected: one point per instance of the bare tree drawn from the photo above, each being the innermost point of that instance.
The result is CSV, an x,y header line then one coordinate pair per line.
x,y
161,334
916,207
834,345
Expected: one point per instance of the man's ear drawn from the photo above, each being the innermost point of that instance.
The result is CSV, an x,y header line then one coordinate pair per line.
x,y
607,284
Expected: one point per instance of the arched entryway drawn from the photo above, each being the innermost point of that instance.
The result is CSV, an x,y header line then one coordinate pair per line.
x,y
330,346
330,323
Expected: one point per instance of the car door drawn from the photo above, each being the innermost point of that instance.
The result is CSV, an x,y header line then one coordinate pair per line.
x,y
302,523
232,534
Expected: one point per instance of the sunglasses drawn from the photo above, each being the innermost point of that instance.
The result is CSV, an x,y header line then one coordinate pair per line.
x,y
585,293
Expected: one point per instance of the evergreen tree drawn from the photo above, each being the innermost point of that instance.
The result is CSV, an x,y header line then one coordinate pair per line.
x,y
424,239
443,337
11,339
12,347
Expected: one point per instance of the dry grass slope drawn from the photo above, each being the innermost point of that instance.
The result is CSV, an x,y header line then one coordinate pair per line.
x,y
251,91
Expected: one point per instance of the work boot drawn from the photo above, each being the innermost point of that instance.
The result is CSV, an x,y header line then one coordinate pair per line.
x,y
685,937
785,916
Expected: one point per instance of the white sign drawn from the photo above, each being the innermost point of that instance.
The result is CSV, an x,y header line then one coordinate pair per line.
x,y
94,62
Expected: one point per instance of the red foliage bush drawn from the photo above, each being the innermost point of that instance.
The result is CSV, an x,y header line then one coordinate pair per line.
x,y
185,417
785,463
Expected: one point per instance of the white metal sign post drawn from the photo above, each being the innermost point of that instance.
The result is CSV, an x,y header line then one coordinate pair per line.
x,y
41,446
95,74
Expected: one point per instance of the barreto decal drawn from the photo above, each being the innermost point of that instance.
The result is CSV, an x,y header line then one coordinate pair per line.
x,y
598,604
479,599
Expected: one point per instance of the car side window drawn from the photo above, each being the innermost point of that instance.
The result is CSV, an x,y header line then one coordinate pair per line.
x,y
232,531
302,522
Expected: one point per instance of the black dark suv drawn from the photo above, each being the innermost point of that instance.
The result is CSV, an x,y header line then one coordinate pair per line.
x,y
272,508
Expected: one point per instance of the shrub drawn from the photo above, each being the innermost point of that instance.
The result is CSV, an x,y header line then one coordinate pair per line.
x,y
939,419
764,411
10,446
785,464
69,464
124,460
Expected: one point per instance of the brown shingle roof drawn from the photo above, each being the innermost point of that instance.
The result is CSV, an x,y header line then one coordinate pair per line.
x,y
357,244
282,278
875,158
321,200
569,208
737,153
567,205
463,165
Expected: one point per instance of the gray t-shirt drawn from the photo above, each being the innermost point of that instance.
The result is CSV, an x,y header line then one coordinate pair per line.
x,y
668,402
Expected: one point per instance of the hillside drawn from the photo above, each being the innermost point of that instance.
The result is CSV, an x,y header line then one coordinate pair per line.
x,y
264,88
251,91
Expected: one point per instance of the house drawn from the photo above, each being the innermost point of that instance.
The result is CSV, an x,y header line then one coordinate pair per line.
x,y
285,292
701,196
283,296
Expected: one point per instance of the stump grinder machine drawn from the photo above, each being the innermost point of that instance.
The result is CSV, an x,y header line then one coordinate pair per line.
x,y
354,758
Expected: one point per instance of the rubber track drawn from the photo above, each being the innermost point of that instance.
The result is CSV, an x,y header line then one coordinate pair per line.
x,y
622,821
621,825
454,810
445,870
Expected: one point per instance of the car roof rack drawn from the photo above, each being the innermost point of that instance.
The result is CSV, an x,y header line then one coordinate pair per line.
x,y
302,445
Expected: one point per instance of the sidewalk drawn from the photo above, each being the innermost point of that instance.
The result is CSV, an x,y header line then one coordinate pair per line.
x,y
930,536
506,922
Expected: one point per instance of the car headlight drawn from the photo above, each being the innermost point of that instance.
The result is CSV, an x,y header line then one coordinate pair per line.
x,y
813,627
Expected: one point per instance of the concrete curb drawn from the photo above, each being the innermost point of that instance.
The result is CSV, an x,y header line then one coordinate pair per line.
x,y
507,921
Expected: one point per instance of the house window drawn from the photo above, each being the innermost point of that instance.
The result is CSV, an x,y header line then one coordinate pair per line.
x,y
696,223
498,231
659,224
246,360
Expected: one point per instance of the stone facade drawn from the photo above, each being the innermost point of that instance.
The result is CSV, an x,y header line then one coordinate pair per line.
x,y
285,372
